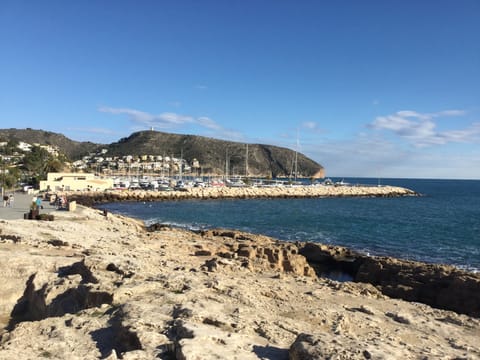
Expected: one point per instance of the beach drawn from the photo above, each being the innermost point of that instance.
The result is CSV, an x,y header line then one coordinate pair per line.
x,y
88,286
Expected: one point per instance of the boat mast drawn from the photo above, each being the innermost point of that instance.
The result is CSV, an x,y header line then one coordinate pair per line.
x,y
181,164
296,157
226,163
246,162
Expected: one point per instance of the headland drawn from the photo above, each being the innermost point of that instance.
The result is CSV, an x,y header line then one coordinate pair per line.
x,y
92,286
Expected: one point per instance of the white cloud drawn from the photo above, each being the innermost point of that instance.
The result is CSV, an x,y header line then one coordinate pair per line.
x,y
169,120
375,156
93,130
165,120
208,123
421,130
450,113
413,114
173,118
176,104
311,125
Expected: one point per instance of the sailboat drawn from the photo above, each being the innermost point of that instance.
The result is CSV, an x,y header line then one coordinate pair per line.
x,y
295,162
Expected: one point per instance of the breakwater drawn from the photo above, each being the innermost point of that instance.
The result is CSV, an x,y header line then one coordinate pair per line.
x,y
90,198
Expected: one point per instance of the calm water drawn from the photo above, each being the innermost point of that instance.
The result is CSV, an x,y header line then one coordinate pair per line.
x,y
443,226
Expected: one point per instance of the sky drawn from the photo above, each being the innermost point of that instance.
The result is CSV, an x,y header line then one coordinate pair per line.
x,y
365,88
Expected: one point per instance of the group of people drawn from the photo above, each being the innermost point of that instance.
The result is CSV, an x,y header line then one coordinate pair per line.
x,y
37,202
60,201
8,200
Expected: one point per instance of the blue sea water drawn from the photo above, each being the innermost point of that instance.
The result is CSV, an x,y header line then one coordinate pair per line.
x,y
442,226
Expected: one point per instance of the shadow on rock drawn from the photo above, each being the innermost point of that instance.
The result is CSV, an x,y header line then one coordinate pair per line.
x,y
116,337
270,352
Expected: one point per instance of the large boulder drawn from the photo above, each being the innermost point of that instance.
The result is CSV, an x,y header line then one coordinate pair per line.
x,y
318,346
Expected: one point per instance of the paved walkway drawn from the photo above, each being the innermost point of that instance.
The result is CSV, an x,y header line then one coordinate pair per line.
x,y
21,205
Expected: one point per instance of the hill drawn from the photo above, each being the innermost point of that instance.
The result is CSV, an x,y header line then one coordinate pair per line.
x,y
72,149
263,160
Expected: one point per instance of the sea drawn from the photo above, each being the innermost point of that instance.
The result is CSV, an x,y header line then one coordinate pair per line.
x,y
440,226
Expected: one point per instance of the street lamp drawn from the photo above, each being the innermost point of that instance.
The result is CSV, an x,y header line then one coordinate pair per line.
x,y
3,176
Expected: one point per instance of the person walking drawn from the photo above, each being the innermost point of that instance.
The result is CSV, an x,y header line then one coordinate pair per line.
x,y
11,200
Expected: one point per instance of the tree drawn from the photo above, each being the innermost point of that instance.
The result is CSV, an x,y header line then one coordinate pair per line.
x,y
11,147
11,176
39,162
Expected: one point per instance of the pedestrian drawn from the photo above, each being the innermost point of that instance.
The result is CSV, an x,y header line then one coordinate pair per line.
x,y
11,200
39,202
5,200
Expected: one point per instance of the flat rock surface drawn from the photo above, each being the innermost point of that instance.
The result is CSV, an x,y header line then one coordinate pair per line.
x,y
86,286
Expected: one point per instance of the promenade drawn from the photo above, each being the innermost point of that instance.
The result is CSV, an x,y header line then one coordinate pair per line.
x,y
21,205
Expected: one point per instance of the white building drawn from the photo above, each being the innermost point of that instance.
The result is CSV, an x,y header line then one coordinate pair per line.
x,y
75,182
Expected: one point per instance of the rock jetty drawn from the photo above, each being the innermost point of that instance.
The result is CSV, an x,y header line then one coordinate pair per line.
x,y
90,286
90,197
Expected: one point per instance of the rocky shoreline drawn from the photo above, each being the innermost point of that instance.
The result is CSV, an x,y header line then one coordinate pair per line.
x,y
89,286
90,198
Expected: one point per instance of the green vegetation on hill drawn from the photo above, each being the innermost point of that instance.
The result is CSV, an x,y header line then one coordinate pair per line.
x,y
263,160
72,149
213,155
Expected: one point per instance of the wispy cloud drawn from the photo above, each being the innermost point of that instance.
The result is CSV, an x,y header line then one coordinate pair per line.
x,y
175,104
169,120
201,87
310,125
93,130
421,129
450,113
166,120
208,123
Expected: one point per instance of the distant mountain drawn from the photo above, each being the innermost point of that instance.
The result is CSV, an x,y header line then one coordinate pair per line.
x,y
73,149
263,160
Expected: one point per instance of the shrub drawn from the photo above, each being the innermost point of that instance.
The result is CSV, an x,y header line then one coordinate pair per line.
x,y
45,217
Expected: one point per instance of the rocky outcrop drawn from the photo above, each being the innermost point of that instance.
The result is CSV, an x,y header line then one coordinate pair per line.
x,y
440,286
71,290
257,252
314,347
113,290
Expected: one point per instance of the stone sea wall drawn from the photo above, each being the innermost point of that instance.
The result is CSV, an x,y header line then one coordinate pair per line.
x,y
90,198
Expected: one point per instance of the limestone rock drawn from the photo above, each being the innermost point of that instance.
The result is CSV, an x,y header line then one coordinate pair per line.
x,y
116,290
440,286
314,347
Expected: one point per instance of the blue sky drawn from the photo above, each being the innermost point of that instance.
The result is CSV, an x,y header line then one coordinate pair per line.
x,y
372,88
